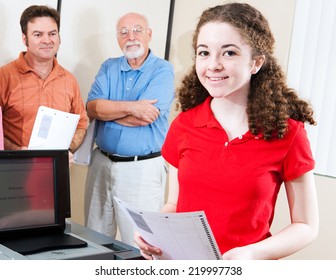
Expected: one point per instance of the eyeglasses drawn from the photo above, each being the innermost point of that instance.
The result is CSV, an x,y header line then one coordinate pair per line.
x,y
124,32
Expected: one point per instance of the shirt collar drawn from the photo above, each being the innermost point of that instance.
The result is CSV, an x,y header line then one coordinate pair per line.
x,y
204,117
22,64
24,67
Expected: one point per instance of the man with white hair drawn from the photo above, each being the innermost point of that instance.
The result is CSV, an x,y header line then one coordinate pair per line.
x,y
130,99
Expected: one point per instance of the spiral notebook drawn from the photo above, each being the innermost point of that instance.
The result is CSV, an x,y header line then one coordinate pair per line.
x,y
180,236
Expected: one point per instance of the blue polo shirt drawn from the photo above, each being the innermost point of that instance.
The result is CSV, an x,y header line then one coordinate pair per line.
x,y
117,81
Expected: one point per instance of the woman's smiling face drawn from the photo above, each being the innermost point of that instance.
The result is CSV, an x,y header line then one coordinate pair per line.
x,y
224,63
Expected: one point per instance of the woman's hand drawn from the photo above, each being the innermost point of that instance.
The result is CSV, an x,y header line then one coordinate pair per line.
x,y
146,250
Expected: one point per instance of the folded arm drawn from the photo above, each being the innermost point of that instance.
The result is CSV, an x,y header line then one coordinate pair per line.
x,y
129,113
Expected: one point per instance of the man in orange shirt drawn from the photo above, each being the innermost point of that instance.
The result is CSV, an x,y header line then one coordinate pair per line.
x,y
35,78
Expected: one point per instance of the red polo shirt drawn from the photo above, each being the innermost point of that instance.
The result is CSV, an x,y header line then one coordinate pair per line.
x,y
235,182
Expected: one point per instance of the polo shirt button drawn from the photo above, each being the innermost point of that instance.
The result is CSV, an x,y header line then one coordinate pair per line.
x,y
240,137
226,144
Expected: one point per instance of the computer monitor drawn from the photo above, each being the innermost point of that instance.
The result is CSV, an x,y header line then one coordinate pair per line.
x,y
34,192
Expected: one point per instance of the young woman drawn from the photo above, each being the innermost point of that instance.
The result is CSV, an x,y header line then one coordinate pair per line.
x,y
239,138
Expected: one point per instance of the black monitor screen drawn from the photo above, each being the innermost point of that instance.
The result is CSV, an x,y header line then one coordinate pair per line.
x,y
34,190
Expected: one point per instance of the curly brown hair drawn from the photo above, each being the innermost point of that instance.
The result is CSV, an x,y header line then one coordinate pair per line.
x,y
270,101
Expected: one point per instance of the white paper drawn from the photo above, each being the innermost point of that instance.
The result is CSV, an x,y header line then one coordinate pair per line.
x,y
53,129
83,155
180,236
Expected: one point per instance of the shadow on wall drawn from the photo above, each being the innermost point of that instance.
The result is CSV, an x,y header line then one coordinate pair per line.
x,y
182,64
89,48
177,51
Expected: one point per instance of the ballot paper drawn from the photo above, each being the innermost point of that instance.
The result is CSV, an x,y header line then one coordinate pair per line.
x,y
180,236
83,155
53,129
